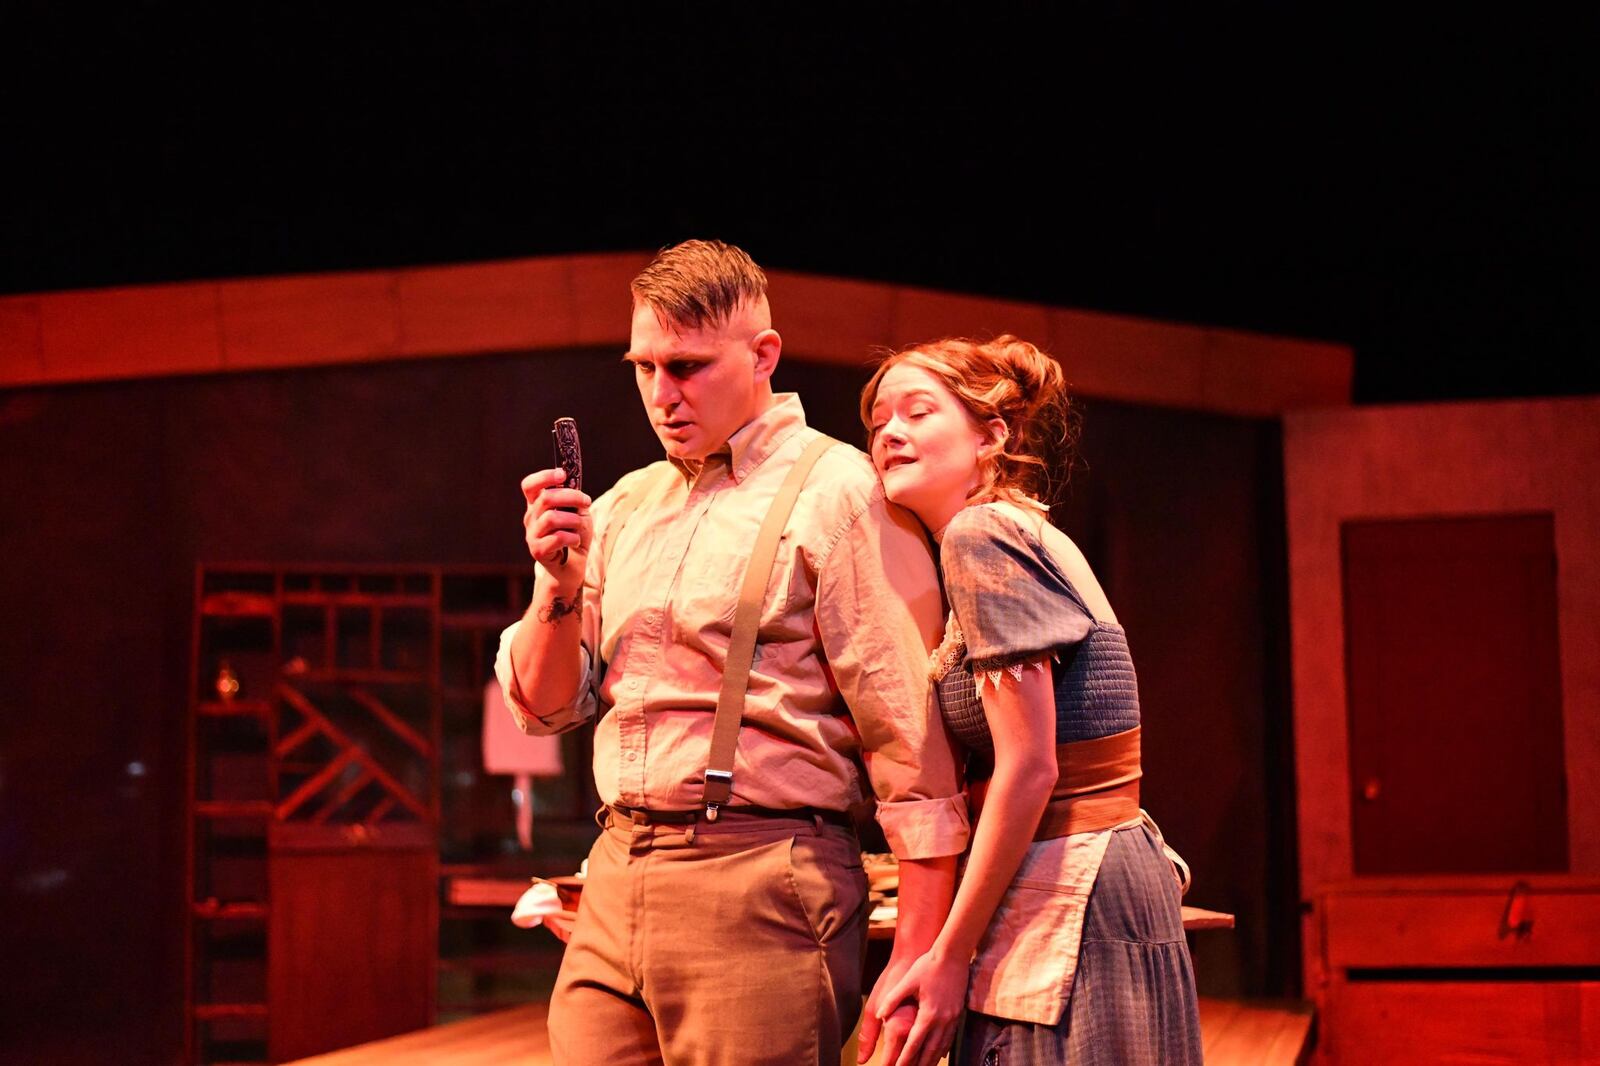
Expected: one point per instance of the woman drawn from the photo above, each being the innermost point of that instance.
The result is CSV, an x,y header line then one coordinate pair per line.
x,y
1067,918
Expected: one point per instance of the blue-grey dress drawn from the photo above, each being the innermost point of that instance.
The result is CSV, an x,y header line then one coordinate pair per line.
x,y
1132,999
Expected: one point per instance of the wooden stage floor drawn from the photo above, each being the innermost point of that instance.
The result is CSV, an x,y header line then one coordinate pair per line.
x,y
1235,1032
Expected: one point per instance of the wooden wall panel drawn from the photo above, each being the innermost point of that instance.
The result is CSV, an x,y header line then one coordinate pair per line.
x,y
921,315
1105,352
21,344
1254,373
600,300
300,321
581,301
486,307
131,332
831,319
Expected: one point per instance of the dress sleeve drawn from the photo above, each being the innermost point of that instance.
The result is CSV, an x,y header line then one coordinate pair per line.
x,y
1009,598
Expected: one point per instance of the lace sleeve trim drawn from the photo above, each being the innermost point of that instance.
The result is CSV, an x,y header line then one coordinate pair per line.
x,y
995,670
951,650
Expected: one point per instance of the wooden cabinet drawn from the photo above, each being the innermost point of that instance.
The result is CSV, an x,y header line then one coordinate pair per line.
x,y
1484,1023
353,938
1481,970
1443,562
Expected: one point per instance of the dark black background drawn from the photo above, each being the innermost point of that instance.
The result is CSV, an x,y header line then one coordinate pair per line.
x,y
1416,186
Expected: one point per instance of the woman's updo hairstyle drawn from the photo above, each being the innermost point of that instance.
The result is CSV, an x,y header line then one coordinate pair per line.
x,y
1012,380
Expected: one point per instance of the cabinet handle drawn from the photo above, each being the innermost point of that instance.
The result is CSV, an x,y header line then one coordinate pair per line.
x,y
1517,920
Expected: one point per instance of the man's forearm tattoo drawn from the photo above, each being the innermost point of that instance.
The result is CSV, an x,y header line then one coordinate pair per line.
x,y
559,609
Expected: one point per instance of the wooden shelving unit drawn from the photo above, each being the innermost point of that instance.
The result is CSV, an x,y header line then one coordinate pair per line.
x,y
352,740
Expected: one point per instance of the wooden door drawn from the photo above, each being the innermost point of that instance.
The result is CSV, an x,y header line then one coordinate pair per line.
x,y
1456,750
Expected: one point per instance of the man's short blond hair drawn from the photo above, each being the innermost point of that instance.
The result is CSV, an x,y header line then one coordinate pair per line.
x,y
699,283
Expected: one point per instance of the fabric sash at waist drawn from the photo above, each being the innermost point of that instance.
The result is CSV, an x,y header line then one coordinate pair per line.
x,y
1097,786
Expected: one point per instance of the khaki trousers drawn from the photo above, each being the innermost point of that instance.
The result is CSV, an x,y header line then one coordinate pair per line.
x,y
739,944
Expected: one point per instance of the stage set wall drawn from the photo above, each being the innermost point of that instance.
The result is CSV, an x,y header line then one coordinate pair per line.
x,y
115,491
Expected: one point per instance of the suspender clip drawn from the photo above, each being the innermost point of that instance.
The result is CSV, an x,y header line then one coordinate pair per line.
x,y
719,789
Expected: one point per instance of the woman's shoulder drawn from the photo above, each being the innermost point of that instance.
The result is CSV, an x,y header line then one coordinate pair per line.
x,y
990,540
994,524
1031,541
1007,592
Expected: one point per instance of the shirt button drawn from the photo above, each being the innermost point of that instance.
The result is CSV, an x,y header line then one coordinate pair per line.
x,y
633,756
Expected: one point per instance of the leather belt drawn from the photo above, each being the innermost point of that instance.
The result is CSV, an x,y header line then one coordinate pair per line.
x,y
640,816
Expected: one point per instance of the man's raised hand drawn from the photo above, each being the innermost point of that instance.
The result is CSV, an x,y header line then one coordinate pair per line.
x,y
553,519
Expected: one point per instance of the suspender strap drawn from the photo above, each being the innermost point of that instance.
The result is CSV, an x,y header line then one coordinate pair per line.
x,y
746,619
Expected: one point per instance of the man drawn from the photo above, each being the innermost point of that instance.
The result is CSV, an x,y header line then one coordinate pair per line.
x,y
732,933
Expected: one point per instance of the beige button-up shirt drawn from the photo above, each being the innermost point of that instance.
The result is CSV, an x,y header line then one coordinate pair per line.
x,y
840,679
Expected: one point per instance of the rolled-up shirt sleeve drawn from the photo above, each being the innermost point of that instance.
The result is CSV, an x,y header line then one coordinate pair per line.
x,y
879,611
570,715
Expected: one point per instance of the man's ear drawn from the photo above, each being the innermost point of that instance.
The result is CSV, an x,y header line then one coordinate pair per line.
x,y
767,347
